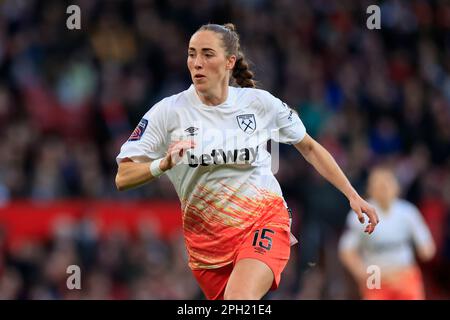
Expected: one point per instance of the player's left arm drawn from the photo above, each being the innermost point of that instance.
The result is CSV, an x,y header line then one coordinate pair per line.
x,y
421,235
325,164
426,251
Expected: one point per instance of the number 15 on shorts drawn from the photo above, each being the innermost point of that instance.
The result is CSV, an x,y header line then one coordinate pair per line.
x,y
265,240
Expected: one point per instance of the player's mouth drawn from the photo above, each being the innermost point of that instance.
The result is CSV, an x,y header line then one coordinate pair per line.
x,y
199,76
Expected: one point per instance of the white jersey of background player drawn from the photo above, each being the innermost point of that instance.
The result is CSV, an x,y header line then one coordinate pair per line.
x,y
392,247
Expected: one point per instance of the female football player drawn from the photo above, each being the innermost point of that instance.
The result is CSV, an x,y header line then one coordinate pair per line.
x,y
211,142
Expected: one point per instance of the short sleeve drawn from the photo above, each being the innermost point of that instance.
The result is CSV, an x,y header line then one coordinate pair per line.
x,y
352,236
149,138
290,129
420,233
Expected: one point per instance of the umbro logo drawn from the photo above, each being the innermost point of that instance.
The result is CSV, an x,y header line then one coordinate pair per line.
x,y
260,250
192,131
290,115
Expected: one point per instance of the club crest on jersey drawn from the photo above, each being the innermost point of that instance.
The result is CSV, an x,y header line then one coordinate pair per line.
x,y
247,123
192,131
139,131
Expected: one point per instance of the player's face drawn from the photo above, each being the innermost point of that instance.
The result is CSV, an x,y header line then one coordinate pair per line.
x,y
383,187
207,61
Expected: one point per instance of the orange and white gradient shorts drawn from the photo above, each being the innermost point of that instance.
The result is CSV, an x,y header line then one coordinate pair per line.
x,y
269,245
408,285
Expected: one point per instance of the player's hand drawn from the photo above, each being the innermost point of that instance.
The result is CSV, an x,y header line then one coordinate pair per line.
x,y
175,153
361,207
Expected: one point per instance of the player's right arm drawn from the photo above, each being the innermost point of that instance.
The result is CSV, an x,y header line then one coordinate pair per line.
x,y
349,245
351,259
132,174
150,150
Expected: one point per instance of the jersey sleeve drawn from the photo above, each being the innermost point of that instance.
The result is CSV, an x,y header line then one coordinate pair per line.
x,y
352,236
420,233
287,124
149,138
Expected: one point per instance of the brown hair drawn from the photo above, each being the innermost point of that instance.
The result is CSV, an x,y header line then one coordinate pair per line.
x,y
241,71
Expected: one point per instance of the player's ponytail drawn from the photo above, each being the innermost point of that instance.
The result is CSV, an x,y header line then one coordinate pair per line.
x,y
241,72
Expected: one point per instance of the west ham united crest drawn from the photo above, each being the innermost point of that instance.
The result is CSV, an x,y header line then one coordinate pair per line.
x,y
247,123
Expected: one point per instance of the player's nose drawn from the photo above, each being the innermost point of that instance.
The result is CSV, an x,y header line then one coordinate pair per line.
x,y
198,63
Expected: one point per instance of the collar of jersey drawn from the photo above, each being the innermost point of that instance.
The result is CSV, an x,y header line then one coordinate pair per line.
x,y
381,211
195,99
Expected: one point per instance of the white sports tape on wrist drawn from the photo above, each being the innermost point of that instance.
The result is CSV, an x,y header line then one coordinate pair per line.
x,y
155,169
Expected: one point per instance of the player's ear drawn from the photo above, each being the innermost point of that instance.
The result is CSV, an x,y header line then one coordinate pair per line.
x,y
231,61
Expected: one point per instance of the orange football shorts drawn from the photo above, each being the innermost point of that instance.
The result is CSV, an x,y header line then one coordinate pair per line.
x,y
407,286
270,245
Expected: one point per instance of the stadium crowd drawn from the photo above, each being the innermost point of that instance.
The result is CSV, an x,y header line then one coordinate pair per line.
x,y
70,98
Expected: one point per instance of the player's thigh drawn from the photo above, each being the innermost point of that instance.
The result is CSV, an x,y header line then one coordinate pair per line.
x,y
250,279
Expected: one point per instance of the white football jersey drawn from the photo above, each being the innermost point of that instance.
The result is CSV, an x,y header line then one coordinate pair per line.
x,y
391,245
222,181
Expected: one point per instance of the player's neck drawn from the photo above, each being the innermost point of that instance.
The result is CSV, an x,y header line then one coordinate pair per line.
x,y
214,97
385,206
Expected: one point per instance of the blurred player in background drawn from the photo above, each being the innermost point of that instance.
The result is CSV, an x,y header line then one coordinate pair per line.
x,y
236,222
392,247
